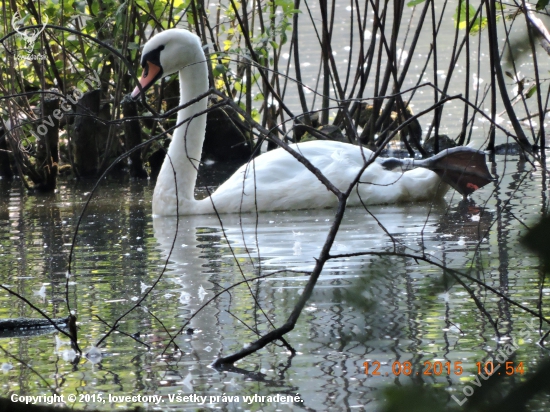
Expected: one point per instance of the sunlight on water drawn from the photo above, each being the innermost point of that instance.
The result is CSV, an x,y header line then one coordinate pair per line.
x,y
365,308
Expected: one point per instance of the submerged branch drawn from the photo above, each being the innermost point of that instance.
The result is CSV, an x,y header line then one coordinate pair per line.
x,y
304,297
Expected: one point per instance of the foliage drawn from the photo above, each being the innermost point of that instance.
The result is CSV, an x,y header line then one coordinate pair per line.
x,y
109,26
462,15
253,48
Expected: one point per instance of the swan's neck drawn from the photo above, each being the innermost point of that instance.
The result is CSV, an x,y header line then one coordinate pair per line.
x,y
185,151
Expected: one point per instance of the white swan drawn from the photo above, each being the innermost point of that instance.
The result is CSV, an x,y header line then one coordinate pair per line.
x,y
275,180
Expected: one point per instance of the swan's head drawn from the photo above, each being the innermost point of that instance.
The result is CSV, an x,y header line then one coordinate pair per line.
x,y
166,53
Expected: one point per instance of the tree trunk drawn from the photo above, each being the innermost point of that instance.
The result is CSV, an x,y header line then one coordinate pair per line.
x,y
132,137
47,148
5,167
85,147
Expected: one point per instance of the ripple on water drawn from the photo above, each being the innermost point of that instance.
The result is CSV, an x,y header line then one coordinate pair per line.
x,y
364,308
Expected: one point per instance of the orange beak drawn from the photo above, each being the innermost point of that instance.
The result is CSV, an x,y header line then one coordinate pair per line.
x,y
148,77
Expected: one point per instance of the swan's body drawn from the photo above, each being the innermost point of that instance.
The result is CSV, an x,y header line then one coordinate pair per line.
x,y
273,181
277,181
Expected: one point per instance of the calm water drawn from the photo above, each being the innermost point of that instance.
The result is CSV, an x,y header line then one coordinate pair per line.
x,y
363,309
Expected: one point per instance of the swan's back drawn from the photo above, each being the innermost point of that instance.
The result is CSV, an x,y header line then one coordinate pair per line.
x,y
277,181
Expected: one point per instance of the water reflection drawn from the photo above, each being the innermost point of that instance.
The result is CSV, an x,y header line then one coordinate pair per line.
x,y
357,306
364,308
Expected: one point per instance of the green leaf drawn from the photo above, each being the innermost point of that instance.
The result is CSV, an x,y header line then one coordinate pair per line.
x,y
219,69
531,91
94,8
256,115
541,4
240,87
479,24
460,15
460,18
255,77
79,6
286,5
190,18
414,3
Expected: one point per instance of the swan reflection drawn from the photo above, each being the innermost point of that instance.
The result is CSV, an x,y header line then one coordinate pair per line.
x,y
208,255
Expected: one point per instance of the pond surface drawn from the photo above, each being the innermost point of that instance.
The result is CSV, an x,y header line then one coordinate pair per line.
x,y
367,308
364,308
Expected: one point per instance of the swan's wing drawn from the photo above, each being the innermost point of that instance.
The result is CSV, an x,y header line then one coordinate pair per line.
x,y
278,181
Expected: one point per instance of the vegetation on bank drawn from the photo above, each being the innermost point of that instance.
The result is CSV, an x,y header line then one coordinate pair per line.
x,y
69,66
